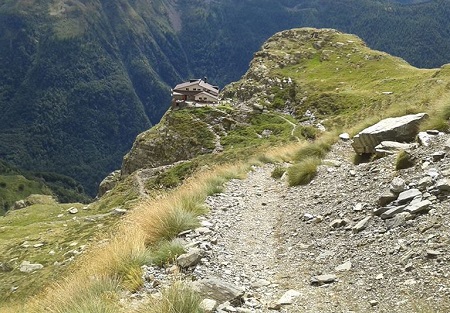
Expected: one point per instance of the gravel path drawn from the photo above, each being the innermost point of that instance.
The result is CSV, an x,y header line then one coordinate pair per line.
x,y
268,239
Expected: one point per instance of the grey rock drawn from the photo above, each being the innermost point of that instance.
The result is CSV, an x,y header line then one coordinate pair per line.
x,y
208,305
21,204
191,258
437,156
408,195
338,223
400,129
398,185
386,198
72,210
398,220
392,212
347,266
289,297
443,185
425,182
218,290
27,267
447,145
393,147
344,137
323,279
424,138
432,254
417,208
361,225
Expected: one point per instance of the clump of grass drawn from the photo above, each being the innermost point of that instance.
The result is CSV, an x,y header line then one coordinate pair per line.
x,y
178,298
404,160
315,150
265,159
438,120
129,270
175,222
94,295
166,251
303,172
278,172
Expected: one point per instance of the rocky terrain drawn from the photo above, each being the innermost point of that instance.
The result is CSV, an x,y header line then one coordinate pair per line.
x,y
336,245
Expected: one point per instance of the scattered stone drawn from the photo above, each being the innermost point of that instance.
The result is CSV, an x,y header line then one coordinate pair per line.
x,y
392,212
27,267
72,210
425,182
119,211
393,147
398,185
337,223
417,208
260,283
344,137
347,266
443,185
289,297
433,254
323,279
275,306
438,156
191,258
424,138
218,290
373,302
386,198
21,204
361,225
398,220
408,195
208,305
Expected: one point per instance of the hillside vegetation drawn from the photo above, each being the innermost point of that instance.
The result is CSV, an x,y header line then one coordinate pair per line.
x,y
80,79
299,82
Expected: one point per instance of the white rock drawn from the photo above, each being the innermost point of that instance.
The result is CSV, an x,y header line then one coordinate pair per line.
x,y
72,210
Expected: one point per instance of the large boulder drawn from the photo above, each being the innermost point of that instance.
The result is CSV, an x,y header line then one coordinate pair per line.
x,y
399,129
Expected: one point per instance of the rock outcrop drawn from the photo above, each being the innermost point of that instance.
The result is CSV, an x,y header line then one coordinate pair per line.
x,y
398,129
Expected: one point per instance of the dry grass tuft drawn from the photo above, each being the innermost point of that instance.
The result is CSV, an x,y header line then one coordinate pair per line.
x,y
178,298
303,172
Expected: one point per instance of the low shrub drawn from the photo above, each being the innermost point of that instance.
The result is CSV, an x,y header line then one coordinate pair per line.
x,y
303,172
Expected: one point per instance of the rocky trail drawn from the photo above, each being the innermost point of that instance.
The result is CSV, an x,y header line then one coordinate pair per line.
x,y
334,245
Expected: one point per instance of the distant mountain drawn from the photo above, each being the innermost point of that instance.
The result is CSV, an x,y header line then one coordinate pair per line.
x,y
80,79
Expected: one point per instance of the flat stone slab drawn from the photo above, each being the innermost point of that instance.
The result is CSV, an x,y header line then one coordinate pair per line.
x,y
323,279
408,195
399,129
420,207
218,290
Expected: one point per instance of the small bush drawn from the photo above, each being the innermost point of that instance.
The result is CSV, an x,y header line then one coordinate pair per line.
x,y
278,172
166,252
302,173
404,160
178,298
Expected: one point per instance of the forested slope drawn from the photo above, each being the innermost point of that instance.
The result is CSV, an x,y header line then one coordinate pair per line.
x,y
80,79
